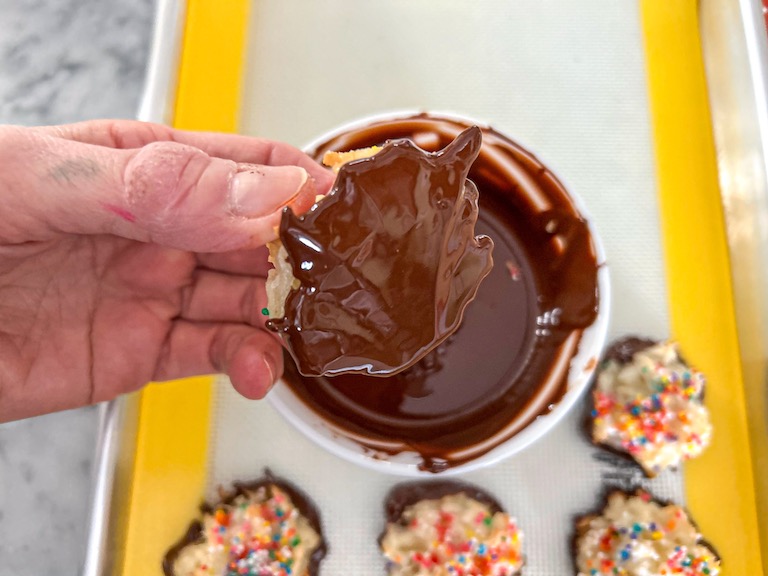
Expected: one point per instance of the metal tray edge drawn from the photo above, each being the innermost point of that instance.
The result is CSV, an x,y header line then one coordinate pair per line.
x,y
156,106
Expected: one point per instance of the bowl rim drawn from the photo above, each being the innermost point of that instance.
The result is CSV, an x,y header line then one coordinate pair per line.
x,y
582,367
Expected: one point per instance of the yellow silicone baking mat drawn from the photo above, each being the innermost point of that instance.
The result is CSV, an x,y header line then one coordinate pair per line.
x,y
173,458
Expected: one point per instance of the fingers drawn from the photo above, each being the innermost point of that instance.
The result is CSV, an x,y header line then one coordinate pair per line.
x,y
243,262
225,298
252,358
127,134
168,193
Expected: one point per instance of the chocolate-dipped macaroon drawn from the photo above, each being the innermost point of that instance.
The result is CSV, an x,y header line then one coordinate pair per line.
x,y
378,273
636,535
267,527
444,528
648,404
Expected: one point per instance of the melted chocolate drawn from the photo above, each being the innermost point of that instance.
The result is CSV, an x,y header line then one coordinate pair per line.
x,y
508,362
300,500
388,261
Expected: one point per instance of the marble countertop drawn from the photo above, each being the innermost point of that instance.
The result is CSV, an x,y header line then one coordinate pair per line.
x,y
60,62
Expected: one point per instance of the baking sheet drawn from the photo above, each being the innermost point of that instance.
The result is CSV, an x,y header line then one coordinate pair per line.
x,y
175,457
544,487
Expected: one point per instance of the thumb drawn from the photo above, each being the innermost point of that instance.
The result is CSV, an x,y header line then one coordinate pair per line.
x,y
168,193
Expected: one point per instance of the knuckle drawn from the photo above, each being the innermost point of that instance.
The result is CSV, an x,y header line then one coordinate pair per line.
x,y
179,195
157,177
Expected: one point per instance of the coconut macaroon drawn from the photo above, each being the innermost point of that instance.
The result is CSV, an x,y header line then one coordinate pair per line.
x,y
449,528
263,528
335,160
648,404
634,535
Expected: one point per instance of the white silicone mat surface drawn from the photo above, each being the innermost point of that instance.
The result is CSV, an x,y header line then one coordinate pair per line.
x,y
564,78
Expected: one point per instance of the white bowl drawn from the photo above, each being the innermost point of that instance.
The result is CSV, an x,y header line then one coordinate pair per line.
x,y
339,442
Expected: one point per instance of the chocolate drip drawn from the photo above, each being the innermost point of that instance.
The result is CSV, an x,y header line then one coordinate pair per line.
x,y
508,362
388,261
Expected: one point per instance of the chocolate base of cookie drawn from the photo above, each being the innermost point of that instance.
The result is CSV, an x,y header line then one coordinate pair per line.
x,y
300,500
623,350
581,522
193,536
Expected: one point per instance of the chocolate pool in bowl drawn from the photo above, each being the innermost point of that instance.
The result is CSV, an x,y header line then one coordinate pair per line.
x,y
527,345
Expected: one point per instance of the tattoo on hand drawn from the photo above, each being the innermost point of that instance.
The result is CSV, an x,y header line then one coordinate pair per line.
x,y
70,170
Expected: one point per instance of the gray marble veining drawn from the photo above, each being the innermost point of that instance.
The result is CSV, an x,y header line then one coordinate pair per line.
x,y
68,60
45,478
60,61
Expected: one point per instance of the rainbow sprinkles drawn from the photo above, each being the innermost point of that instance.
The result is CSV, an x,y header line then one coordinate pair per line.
x,y
651,407
637,536
259,531
453,536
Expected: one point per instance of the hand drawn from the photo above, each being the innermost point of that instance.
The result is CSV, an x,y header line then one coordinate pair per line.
x,y
132,252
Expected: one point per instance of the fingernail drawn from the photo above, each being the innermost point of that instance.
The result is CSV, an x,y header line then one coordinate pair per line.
x,y
258,191
271,369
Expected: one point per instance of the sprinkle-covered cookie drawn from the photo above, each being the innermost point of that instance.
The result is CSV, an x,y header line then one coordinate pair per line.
x,y
648,403
634,535
263,528
448,528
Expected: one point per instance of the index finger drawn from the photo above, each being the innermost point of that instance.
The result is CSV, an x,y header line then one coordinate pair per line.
x,y
248,262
